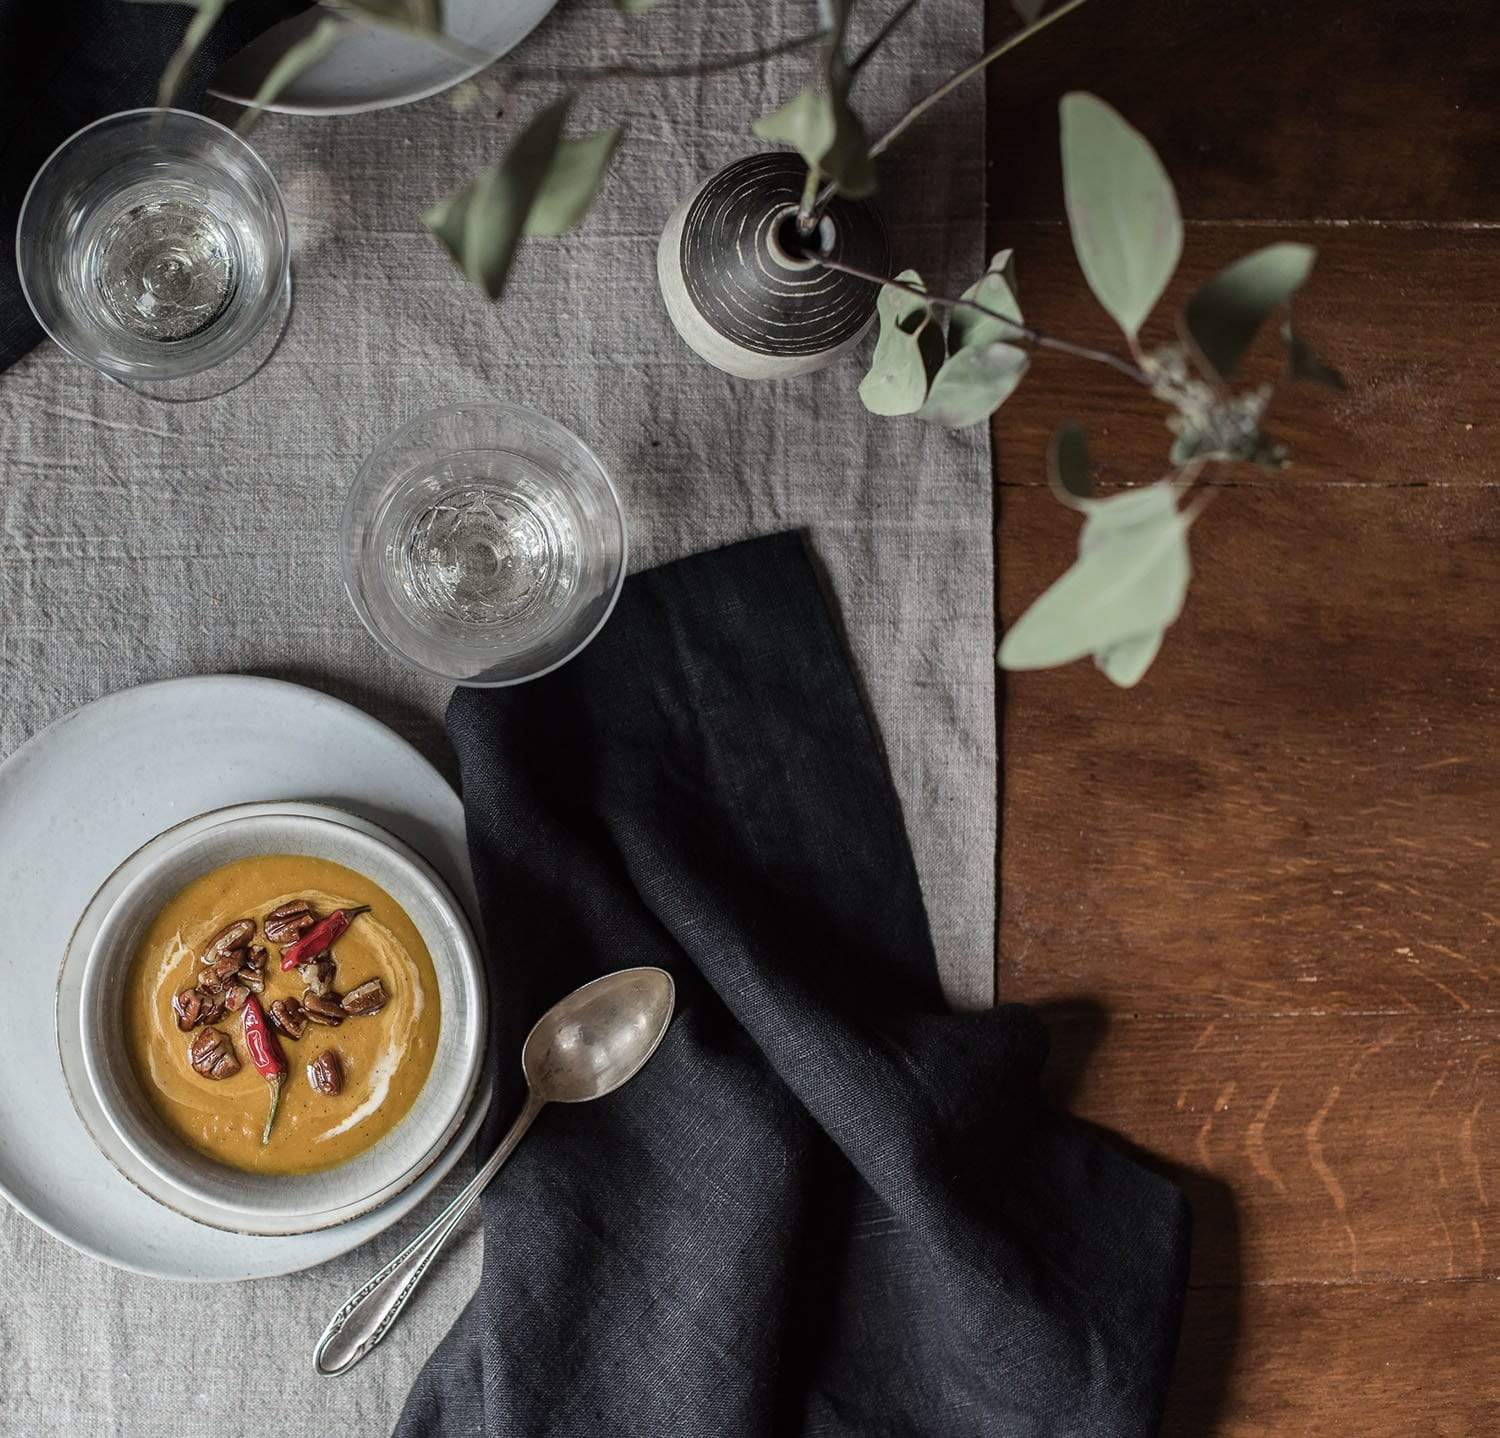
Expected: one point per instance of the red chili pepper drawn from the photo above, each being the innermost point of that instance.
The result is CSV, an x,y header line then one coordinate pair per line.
x,y
265,1054
319,937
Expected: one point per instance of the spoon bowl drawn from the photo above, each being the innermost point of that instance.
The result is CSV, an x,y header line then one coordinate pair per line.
x,y
599,1036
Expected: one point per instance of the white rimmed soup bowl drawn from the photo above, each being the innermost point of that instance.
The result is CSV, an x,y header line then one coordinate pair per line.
x,y
282,1204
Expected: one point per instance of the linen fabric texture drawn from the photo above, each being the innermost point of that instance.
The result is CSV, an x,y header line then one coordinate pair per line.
x,y
828,1205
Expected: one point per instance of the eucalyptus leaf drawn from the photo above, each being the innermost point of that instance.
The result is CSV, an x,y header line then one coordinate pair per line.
x,y
1303,364
995,291
907,354
297,60
1129,581
1122,210
1068,466
819,122
1126,663
825,131
634,7
1225,314
973,383
572,182
482,224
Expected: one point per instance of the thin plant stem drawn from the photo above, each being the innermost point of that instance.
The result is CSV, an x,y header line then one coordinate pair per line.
x,y
858,62
950,84
968,72
1028,333
668,72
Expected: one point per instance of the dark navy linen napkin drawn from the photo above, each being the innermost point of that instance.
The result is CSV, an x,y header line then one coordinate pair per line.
x,y
828,1205
67,63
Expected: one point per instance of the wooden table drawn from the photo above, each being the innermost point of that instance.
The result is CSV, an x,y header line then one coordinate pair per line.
x,y
1256,897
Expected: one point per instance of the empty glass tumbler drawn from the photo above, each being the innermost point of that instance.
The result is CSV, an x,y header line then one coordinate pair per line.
x,y
483,543
153,246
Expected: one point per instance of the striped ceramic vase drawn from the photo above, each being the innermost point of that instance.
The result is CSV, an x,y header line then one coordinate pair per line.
x,y
741,290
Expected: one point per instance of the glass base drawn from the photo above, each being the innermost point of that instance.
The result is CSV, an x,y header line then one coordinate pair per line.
x,y
240,367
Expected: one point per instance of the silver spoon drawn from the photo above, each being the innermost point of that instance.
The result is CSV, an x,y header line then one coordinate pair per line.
x,y
583,1047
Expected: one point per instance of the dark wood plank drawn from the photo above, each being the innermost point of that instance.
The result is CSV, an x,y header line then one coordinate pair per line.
x,y
1344,109
1334,1148
1295,811
1413,1360
1419,410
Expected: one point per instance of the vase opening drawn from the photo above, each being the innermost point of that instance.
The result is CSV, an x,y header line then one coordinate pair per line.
x,y
797,251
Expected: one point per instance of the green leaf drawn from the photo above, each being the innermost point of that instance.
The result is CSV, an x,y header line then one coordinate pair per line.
x,y
634,7
1303,364
1068,466
482,224
973,383
821,127
572,182
1224,316
1028,10
1122,210
1128,584
995,291
907,354
1126,663
299,58
819,122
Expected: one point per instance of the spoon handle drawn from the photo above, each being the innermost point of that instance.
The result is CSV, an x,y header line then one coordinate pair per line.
x,y
370,1311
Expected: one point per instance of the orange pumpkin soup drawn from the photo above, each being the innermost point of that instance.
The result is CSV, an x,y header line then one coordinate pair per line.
x,y
358,1027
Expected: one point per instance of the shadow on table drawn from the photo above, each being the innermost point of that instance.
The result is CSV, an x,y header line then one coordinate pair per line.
x,y
1211,1319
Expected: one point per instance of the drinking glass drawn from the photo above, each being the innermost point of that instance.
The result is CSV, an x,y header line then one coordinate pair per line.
x,y
483,543
153,246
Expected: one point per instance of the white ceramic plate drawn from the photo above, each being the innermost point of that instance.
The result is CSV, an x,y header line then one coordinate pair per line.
x,y
373,68
75,801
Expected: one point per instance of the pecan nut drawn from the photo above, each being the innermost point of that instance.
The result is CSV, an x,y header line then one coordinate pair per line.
x,y
214,1006
252,972
288,923
366,998
318,973
235,996
287,1015
187,1004
326,1074
231,936
212,1054
323,1008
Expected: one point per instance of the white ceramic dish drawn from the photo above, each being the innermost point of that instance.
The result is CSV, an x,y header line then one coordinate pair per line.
x,y
263,1203
372,68
169,751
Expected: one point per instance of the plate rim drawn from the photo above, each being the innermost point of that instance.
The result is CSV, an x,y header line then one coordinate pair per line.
x,y
325,110
467,898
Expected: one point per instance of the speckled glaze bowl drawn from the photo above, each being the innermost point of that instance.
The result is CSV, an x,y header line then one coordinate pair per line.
x,y
225,1197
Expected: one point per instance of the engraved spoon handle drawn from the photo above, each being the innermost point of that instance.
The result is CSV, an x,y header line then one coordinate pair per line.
x,y
372,1309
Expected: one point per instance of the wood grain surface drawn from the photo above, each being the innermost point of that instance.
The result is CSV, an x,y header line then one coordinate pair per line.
x,y
1257,897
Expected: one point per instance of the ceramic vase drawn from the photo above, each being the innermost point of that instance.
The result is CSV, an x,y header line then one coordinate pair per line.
x,y
748,296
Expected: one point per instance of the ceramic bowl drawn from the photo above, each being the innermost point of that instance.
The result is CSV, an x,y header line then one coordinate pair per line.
x,y
277,1203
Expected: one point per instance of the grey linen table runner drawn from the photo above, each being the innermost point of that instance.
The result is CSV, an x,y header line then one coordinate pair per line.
x,y
140,541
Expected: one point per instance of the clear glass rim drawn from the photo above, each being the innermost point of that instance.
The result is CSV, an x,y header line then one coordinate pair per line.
x,y
354,589
268,302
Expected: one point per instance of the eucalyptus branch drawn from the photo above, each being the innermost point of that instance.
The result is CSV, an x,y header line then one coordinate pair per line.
x,y
1029,333
952,83
858,62
968,72
584,76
